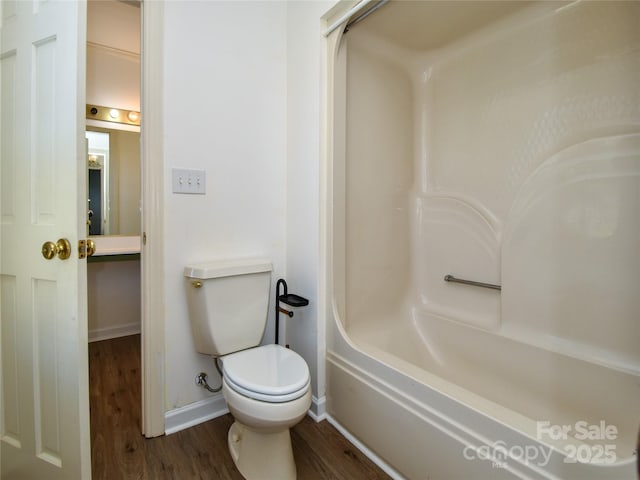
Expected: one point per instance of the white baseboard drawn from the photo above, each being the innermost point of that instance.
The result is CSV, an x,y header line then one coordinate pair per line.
x,y
194,413
213,407
106,333
388,469
318,409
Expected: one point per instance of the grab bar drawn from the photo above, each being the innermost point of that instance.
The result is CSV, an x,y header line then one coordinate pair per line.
x,y
451,278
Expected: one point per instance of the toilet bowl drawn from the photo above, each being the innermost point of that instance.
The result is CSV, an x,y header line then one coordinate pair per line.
x,y
267,390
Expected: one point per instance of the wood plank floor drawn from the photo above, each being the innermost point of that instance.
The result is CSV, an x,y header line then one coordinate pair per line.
x,y
119,451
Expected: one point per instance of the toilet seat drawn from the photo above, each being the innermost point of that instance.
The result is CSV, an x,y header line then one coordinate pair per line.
x,y
270,373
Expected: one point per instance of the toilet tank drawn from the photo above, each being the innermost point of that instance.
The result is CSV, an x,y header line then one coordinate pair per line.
x,y
228,303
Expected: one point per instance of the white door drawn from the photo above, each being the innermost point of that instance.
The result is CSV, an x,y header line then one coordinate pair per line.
x,y
44,411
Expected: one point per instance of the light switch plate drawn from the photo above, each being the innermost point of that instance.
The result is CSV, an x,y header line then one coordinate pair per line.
x,y
188,181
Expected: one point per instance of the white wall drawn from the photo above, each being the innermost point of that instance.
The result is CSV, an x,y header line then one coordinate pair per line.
x,y
113,54
243,102
114,23
113,289
225,113
113,78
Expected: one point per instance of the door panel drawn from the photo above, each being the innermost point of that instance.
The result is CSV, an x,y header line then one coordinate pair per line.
x,y
10,375
44,429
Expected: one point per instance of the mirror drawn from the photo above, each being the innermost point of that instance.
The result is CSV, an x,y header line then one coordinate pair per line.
x,y
113,169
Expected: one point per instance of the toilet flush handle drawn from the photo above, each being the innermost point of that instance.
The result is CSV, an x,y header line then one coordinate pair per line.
x,y
196,284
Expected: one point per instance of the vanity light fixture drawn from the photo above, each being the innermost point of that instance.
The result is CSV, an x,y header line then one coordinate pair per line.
x,y
115,115
94,161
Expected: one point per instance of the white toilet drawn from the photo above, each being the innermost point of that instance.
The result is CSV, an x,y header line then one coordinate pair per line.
x,y
267,388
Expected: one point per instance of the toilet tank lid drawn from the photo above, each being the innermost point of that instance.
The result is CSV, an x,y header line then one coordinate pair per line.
x,y
227,268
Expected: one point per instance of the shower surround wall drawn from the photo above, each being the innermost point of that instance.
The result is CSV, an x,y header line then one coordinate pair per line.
x,y
508,155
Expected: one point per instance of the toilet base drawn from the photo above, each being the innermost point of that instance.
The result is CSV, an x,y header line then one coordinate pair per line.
x,y
260,455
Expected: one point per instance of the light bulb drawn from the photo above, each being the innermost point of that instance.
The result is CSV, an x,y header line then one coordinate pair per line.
x,y
113,113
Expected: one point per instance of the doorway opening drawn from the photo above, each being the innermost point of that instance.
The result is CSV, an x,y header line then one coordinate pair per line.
x,y
114,205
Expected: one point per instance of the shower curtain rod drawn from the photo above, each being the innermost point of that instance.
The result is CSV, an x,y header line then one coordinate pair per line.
x,y
364,15
360,7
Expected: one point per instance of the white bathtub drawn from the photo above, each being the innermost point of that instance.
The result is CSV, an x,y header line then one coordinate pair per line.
x,y
499,142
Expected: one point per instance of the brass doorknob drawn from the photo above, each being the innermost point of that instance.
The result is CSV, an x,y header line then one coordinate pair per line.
x,y
62,248
91,247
